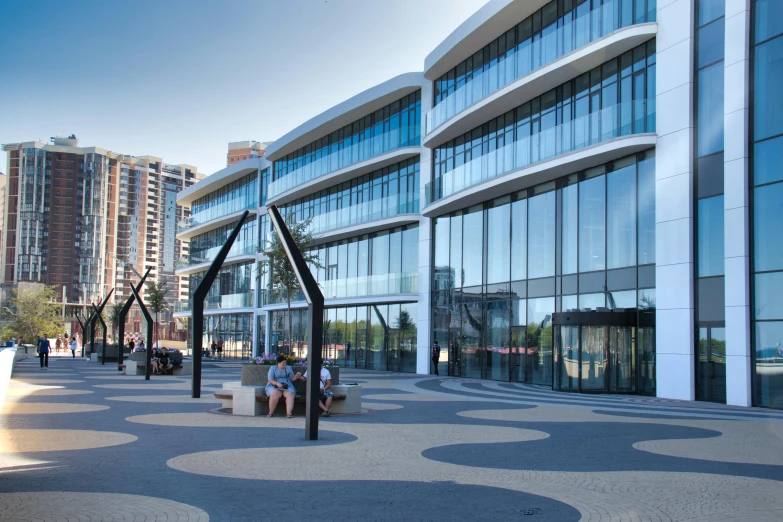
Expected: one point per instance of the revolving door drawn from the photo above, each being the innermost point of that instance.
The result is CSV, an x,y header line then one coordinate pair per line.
x,y
604,351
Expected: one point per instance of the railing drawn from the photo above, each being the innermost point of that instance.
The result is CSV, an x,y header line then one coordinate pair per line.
x,y
357,152
218,302
240,248
365,212
530,56
218,211
618,120
384,284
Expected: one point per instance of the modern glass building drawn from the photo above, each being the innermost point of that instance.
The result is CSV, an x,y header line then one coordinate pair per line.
x,y
582,194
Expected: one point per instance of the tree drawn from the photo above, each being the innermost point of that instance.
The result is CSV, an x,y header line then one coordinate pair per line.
x,y
156,301
282,278
114,317
35,313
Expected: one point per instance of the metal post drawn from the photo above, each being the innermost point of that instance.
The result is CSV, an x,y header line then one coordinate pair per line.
x,y
123,314
315,314
197,305
149,331
83,326
94,318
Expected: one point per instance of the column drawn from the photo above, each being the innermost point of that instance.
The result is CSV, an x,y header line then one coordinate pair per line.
x,y
424,326
674,156
736,208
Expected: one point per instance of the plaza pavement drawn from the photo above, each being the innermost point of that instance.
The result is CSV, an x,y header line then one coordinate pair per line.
x,y
83,442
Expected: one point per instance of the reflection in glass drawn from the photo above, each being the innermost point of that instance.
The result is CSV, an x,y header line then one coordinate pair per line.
x,y
498,245
768,77
768,382
646,185
710,118
624,299
592,223
768,303
473,235
767,161
621,217
457,275
767,19
594,358
541,235
472,329
540,339
570,220
497,328
591,301
768,224
710,234
519,240
567,360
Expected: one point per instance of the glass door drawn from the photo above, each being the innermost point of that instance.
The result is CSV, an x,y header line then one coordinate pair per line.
x,y
622,359
711,365
360,352
594,358
393,351
645,342
566,359
517,355
454,352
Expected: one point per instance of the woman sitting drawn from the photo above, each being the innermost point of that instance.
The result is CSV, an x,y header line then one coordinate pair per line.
x,y
281,384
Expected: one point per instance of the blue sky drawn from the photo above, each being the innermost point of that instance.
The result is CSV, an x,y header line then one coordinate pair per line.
x,y
180,79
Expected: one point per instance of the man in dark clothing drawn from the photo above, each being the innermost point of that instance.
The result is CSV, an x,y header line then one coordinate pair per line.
x,y
436,356
43,353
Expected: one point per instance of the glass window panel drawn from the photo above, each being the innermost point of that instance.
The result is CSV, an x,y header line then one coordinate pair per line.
x,y
441,248
473,235
395,252
570,221
710,237
456,275
710,113
767,296
380,254
768,227
497,334
709,10
646,184
592,301
768,161
711,42
646,299
541,235
519,240
768,77
768,384
768,15
498,244
569,302
540,339
364,256
592,216
410,251
621,218
624,299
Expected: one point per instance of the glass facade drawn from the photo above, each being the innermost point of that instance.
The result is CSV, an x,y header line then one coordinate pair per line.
x,y
555,30
233,287
501,269
392,127
372,264
374,337
614,99
236,196
236,330
767,198
387,192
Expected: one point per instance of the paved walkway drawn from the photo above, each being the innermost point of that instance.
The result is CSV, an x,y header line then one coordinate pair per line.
x,y
83,442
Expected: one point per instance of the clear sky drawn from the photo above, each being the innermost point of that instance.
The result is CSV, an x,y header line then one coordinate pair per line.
x,y
180,79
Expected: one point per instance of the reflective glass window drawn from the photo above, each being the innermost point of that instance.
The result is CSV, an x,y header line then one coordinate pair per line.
x,y
768,78
767,296
768,227
473,235
768,347
457,274
519,240
592,301
570,223
768,161
621,217
711,42
710,113
541,235
646,209
710,237
498,243
768,14
592,216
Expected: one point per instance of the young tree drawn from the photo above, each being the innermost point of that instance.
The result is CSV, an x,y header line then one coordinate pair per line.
x,y
281,274
34,312
114,317
155,300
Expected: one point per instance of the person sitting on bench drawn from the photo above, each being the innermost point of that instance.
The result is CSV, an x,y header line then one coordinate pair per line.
x,y
325,401
281,384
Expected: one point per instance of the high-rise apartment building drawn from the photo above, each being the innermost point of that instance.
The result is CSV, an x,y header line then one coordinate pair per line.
x,y
85,218
242,150
581,194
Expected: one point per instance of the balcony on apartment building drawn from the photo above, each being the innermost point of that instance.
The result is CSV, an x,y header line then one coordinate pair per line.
x,y
226,211
193,261
361,286
219,302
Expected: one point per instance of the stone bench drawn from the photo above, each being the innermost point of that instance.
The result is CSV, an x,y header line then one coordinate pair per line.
x,y
252,400
140,368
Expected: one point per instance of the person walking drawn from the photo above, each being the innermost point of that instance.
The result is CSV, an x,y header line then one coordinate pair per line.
x,y
43,353
220,348
58,344
436,356
73,347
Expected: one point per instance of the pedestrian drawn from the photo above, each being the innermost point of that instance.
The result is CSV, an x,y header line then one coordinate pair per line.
x,y
213,348
131,345
73,346
220,348
141,346
436,356
43,353
58,344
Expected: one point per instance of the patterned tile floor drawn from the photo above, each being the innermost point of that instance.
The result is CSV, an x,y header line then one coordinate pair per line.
x,y
83,442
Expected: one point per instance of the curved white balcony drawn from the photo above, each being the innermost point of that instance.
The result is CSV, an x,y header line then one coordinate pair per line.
x,y
215,217
511,83
228,303
590,140
192,263
340,166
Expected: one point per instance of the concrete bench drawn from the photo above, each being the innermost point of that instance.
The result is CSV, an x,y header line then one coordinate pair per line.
x,y
252,400
135,368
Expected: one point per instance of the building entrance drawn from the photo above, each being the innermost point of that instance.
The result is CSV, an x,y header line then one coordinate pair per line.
x,y
711,365
604,351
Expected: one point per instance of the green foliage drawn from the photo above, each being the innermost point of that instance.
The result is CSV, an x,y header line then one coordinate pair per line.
x,y
155,300
405,324
114,316
282,277
35,313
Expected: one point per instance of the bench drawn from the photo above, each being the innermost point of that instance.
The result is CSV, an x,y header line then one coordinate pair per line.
x,y
139,368
253,401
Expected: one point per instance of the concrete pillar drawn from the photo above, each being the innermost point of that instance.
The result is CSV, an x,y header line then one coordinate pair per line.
x,y
736,208
424,326
674,270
